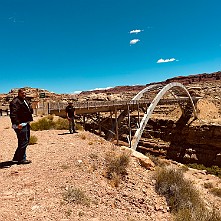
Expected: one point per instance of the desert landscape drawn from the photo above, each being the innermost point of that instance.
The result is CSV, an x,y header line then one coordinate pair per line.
x,y
62,162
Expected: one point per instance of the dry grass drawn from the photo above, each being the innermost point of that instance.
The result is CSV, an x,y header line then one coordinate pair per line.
x,y
116,166
45,123
75,195
48,123
33,140
61,124
83,137
215,170
216,191
183,199
208,185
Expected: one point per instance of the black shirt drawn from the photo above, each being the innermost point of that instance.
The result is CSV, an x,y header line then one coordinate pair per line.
x,y
70,111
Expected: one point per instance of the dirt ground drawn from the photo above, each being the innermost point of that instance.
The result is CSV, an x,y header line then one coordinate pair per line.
x,y
61,160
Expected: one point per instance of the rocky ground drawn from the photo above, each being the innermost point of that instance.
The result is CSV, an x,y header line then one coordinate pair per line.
x,y
61,161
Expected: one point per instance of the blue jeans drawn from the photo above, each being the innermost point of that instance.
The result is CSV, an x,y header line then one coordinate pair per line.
x,y
71,125
23,136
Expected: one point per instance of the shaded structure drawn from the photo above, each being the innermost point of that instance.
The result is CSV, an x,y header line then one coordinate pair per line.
x,y
143,104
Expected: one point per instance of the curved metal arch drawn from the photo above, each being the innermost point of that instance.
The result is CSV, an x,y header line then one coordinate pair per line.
x,y
140,94
135,98
153,104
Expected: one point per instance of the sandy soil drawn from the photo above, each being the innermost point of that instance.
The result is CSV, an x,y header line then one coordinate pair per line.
x,y
60,161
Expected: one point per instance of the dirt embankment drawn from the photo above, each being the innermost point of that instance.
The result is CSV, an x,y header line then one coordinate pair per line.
x,y
61,160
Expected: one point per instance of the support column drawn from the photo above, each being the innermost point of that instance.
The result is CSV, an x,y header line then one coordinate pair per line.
x,y
84,121
99,123
116,125
138,112
129,125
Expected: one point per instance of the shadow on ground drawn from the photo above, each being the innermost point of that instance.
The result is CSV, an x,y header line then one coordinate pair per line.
x,y
66,133
6,164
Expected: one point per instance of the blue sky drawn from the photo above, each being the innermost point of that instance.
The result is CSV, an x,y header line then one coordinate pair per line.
x,y
76,45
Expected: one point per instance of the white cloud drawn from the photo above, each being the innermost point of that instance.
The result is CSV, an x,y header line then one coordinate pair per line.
x,y
106,88
76,92
134,41
135,31
166,60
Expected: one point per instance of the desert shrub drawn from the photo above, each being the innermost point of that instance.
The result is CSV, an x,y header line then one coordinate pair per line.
x,y
93,156
48,123
208,185
156,160
213,215
179,192
61,124
183,199
116,166
216,191
75,195
78,127
68,213
197,215
45,123
83,137
215,170
33,140
50,117
65,166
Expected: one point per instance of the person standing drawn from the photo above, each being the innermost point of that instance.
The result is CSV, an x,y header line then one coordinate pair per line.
x,y
21,115
70,112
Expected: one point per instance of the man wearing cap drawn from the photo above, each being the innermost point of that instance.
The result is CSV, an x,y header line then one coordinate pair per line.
x,y
21,116
70,112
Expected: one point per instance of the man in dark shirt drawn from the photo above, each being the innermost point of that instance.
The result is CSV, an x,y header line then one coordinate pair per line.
x,y
21,116
70,112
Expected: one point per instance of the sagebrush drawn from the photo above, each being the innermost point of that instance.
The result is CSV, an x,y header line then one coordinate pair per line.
x,y
183,199
75,195
49,123
116,166
33,140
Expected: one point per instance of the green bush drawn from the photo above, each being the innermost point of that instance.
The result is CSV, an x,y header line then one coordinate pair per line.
x,y
48,123
78,127
61,124
45,123
215,170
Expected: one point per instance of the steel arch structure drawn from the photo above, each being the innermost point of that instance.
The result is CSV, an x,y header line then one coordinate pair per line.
x,y
147,115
